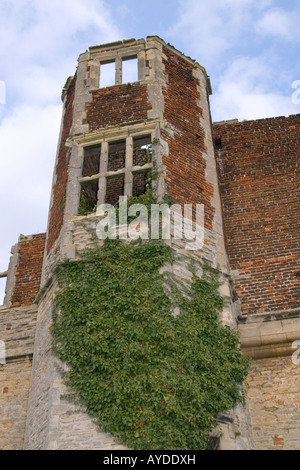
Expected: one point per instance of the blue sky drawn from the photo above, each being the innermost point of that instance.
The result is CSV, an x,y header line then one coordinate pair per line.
x,y
250,49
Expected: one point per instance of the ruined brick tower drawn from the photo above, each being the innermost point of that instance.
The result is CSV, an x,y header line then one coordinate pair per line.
x,y
100,157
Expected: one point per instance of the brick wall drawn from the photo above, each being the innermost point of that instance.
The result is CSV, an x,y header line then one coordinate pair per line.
x,y
259,171
61,172
114,105
185,181
28,272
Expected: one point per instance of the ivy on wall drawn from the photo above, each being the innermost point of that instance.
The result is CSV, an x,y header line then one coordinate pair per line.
x,y
151,379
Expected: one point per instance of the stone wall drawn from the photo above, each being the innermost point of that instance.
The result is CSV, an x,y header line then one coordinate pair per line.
x,y
274,403
52,422
258,166
17,329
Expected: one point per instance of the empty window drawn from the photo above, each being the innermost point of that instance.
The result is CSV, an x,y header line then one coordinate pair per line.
x,y
218,144
142,150
116,155
121,70
88,197
91,160
130,70
107,74
114,189
139,185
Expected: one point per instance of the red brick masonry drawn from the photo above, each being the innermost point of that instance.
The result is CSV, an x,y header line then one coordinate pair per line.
x,y
29,268
59,191
117,104
259,172
186,181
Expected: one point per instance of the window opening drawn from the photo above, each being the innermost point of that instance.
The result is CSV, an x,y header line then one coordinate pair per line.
x,y
139,185
107,74
114,189
91,161
88,197
142,150
116,155
129,70
218,144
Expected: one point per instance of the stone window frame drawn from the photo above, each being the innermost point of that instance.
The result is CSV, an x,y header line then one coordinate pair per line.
x,y
121,52
118,61
129,170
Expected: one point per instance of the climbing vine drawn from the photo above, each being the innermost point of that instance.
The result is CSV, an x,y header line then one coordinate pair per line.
x,y
152,379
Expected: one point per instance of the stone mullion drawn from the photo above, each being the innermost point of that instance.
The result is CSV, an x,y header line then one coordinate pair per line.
x,y
128,181
103,171
118,64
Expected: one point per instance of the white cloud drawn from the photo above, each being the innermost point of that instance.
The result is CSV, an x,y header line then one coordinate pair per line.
x,y
220,33
48,28
245,92
40,42
28,141
279,23
213,27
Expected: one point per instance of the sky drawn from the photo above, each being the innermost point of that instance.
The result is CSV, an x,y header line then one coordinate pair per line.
x,y
249,48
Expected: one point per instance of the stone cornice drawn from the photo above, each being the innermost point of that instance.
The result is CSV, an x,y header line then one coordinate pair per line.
x,y
271,334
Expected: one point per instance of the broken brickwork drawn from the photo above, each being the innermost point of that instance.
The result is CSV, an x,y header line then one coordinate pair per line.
x,y
28,270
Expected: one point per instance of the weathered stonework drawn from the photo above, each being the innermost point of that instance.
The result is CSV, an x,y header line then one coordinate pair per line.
x,y
17,330
246,175
274,398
